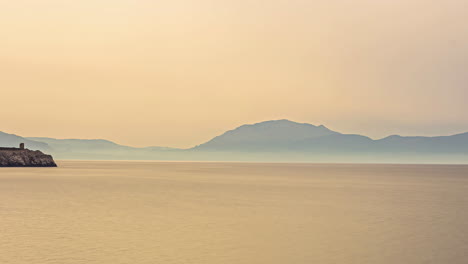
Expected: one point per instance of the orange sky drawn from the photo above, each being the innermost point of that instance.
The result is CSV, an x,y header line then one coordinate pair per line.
x,y
177,73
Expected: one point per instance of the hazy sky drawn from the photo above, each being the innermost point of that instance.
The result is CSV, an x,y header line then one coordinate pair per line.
x,y
178,72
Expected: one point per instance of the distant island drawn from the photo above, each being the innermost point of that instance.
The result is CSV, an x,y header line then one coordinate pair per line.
x,y
22,157
269,141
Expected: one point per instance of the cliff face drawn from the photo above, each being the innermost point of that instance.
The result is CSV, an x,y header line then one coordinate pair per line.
x,y
25,158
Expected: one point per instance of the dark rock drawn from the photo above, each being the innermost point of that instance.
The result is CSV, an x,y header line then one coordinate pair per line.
x,y
25,158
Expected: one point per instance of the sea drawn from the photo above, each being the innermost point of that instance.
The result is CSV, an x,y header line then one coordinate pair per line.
x,y
138,212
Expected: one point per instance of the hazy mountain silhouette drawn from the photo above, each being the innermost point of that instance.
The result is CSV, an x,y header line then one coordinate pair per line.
x,y
285,135
278,140
442,144
97,149
265,136
78,145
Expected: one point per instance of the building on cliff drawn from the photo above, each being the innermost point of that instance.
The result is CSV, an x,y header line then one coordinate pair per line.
x,y
21,147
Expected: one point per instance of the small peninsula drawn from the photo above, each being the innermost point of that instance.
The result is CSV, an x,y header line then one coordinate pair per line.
x,y
22,157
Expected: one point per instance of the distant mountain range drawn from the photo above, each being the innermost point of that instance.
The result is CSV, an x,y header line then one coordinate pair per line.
x,y
278,140
285,135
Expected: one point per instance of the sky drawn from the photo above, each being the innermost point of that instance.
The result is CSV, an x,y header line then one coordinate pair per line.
x,y
179,72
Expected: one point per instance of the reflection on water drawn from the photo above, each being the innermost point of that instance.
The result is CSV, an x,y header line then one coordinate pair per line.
x,y
213,213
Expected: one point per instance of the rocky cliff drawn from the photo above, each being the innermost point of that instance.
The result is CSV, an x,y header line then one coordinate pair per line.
x,y
25,158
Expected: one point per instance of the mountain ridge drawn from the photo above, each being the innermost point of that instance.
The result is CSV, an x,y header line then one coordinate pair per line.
x,y
274,130
269,140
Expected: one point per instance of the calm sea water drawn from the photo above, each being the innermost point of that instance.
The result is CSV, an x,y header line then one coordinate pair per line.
x,y
222,213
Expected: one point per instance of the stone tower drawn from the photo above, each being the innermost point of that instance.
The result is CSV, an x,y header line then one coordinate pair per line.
x,y
21,145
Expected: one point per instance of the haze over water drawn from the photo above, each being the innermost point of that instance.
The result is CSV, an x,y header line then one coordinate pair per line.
x,y
155,212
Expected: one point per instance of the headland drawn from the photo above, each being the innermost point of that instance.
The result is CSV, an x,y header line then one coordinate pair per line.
x,y
22,157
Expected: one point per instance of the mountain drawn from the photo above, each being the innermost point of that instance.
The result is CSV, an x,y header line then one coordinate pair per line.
x,y
78,145
443,144
97,149
287,136
269,135
11,140
277,140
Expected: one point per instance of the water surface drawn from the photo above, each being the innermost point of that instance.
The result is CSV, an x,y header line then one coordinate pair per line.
x,y
222,213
